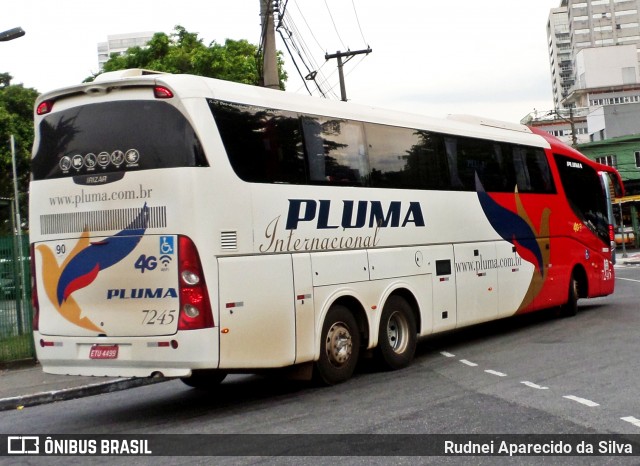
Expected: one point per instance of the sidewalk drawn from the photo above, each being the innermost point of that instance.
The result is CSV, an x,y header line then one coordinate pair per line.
x,y
27,385
632,257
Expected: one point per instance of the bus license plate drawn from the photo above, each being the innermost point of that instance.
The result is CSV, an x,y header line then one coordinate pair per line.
x,y
103,352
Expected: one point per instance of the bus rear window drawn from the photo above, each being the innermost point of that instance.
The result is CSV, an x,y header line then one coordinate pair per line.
x,y
115,137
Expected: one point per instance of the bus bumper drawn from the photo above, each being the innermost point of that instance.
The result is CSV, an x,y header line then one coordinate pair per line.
x,y
169,356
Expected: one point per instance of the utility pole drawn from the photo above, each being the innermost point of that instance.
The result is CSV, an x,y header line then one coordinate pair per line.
x,y
574,137
269,58
349,54
572,124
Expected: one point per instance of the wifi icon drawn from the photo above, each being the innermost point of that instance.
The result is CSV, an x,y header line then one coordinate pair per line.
x,y
165,260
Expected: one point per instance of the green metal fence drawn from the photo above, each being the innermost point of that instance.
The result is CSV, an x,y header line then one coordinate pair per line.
x,y
16,339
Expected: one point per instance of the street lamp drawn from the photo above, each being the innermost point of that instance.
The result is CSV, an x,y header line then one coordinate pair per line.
x,y
11,34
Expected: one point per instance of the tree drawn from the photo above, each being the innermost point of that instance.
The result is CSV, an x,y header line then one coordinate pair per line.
x,y
184,52
16,118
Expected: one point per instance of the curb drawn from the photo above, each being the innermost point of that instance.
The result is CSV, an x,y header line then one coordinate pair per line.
x,y
630,261
19,402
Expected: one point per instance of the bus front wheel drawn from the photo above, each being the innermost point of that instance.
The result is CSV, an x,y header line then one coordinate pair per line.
x,y
205,379
397,338
339,347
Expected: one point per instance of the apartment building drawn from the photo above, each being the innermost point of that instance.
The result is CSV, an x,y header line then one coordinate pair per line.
x,y
119,43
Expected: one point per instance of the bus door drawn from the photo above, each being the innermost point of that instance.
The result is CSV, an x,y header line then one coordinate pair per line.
x,y
476,282
257,313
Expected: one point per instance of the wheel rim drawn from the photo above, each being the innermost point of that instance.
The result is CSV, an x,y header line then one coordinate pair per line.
x,y
397,332
339,344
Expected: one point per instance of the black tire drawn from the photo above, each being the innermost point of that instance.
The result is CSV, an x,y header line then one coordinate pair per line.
x,y
339,347
570,309
398,337
205,379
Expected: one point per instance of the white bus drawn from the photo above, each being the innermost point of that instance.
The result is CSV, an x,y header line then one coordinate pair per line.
x,y
189,227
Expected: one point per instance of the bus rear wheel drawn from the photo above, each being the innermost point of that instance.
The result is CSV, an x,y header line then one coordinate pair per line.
x,y
339,347
397,336
205,379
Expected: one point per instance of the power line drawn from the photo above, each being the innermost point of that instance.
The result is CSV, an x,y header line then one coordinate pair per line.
x,y
358,21
300,52
294,42
309,27
334,24
298,37
294,61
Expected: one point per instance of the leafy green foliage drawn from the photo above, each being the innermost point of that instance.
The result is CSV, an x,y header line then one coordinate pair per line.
x,y
16,118
183,52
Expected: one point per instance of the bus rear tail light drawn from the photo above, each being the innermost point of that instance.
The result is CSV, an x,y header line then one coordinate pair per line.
x,y
195,307
44,107
612,234
34,291
162,92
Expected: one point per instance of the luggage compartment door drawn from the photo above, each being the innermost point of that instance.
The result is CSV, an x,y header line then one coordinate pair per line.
x,y
257,312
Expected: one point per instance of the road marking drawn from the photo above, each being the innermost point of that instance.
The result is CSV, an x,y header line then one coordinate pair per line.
x,y
499,374
468,363
628,279
583,401
534,385
447,355
632,420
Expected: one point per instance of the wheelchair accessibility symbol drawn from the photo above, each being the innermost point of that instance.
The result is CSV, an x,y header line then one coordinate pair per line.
x,y
166,251
166,245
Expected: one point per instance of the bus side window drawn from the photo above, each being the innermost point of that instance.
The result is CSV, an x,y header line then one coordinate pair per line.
x,y
451,145
336,151
539,172
284,160
263,146
521,170
403,158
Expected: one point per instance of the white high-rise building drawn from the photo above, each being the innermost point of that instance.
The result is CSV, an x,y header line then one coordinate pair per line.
x,y
594,59
560,56
582,24
119,43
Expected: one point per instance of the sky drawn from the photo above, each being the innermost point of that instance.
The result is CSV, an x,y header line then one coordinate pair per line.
x,y
435,57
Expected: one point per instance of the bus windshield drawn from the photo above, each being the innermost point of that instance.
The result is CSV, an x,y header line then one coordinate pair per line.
x,y
585,194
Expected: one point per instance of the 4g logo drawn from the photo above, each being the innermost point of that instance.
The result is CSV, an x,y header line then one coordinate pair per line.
x,y
145,262
166,252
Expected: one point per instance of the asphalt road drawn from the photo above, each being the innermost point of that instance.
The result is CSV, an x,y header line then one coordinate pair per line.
x,y
535,374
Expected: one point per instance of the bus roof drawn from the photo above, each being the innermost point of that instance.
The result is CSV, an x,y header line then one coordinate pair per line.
x,y
190,86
